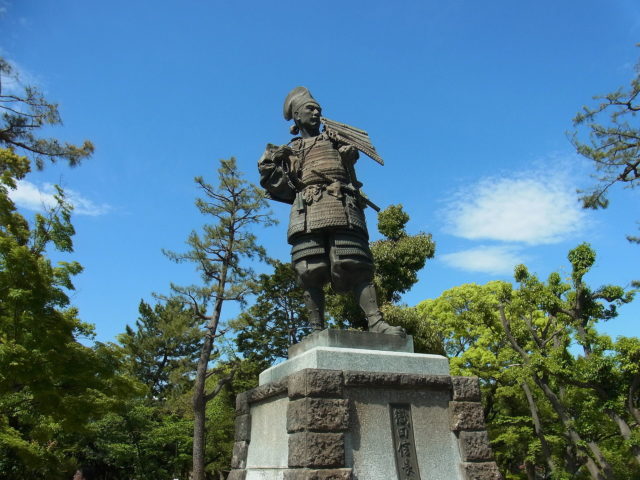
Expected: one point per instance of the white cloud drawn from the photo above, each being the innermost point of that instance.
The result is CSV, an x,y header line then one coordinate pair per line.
x,y
28,195
494,260
533,208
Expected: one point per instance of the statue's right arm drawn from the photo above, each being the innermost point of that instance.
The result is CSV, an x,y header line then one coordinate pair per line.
x,y
273,176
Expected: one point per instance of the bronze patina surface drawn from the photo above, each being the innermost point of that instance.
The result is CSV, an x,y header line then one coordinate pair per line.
x,y
327,231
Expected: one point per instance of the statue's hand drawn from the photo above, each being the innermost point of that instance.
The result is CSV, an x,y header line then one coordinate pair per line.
x,y
281,154
272,156
349,153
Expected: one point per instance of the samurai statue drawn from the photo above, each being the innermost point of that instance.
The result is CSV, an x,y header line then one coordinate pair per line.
x,y
327,231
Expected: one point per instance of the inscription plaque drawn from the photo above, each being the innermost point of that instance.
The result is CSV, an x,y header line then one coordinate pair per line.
x,y
403,442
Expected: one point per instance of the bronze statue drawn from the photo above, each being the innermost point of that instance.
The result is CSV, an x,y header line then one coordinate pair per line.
x,y
327,232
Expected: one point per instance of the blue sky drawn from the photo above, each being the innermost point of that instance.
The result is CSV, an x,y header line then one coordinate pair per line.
x,y
469,103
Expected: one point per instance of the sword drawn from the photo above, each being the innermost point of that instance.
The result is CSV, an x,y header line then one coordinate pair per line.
x,y
349,188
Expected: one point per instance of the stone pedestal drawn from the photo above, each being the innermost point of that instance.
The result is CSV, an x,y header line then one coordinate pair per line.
x,y
347,407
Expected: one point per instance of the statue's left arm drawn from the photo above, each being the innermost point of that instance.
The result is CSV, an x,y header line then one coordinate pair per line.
x,y
273,167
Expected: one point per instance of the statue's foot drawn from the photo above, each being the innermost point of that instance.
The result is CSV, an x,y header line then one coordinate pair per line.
x,y
383,327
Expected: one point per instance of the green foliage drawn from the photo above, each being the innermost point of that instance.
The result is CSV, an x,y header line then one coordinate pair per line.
x,y
139,440
51,385
613,141
26,111
425,338
276,320
391,222
53,389
517,340
219,254
149,432
220,433
162,351
397,258
582,259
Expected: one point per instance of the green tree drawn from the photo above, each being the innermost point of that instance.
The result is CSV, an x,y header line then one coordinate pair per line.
x,y
398,258
276,320
574,407
218,253
51,386
139,439
161,352
24,112
149,433
613,143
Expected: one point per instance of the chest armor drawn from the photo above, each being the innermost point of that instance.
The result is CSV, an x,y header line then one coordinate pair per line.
x,y
324,210
320,154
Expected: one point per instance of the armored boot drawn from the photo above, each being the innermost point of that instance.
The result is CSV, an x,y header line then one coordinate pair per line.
x,y
314,301
366,297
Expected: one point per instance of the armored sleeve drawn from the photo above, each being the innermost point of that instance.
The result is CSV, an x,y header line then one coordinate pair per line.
x,y
273,178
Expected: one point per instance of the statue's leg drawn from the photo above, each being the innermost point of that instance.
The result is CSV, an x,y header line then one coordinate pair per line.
x,y
352,269
311,263
365,294
314,303
313,273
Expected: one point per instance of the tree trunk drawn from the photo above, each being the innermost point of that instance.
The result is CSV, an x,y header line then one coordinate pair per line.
x,y
199,407
530,470
635,413
621,423
625,431
537,425
199,394
571,462
600,471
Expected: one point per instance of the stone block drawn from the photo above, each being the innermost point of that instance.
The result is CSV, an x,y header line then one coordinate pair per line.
x,y
316,450
475,447
318,415
466,416
268,390
369,443
242,403
481,471
353,339
328,474
315,383
237,475
239,455
243,428
397,380
334,358
269,445
466,389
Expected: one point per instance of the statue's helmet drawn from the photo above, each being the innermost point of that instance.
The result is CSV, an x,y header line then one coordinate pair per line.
x,y
297,97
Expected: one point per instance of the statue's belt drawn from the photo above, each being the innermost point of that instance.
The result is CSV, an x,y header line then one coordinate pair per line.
x,y
313,192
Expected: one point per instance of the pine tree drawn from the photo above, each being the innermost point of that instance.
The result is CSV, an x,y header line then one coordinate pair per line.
x,y
218,253
613,143
162,350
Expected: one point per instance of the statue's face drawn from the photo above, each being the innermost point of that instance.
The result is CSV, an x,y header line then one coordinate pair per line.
x,y
308,117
